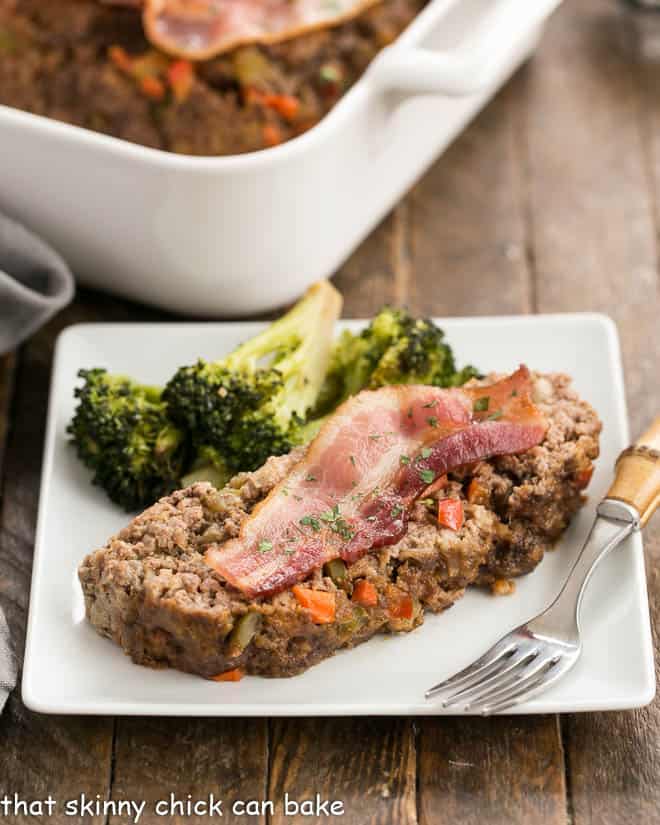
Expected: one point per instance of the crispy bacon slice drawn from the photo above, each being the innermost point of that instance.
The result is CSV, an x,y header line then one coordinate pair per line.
x,y
377,454
201,29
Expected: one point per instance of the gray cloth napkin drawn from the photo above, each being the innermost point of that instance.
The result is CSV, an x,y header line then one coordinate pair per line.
x,y
35,283
8,669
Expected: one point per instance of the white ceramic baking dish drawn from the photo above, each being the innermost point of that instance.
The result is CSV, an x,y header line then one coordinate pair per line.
x,y
234,235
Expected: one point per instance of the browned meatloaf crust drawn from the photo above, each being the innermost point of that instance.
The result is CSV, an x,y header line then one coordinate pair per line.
x,y
150,591
54,61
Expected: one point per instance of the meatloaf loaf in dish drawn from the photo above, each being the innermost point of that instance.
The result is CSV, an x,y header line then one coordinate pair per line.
x,y
150,590
90,64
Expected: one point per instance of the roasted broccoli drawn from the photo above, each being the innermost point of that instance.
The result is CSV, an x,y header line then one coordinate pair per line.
x,y
395,348
252,404
122,432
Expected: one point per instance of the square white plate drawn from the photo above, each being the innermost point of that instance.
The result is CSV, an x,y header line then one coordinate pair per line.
x,y
70,669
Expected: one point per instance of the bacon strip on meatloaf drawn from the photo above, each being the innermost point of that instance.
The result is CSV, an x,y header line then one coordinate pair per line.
x,y
151,592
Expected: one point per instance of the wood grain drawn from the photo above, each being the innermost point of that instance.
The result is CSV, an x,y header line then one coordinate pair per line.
x,y
469,241
595,228
512,769
374,274
191,759
368,764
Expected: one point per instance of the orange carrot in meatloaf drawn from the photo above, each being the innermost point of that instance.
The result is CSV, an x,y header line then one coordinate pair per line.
x,y
320,604
365,594
234,675
450,513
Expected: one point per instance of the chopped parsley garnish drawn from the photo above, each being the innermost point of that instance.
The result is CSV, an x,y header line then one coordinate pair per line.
x,y
351,458
426,452
428,502
404,459
298,498
495,415
374,437
333,520
396,511
342,528
330,515
310,521
432,421
429,405
265,546
310,477
285,491
481,404
410,412
427,476
514,393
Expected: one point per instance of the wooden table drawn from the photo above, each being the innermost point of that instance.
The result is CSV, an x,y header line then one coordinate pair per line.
x,y
549,202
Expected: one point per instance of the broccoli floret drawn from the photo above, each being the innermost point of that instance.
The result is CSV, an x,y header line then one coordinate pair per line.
x,y
121,431
395,348
252,404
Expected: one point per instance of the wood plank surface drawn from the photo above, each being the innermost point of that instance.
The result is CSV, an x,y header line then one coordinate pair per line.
x,y
468,256
368,765
499,770
169,762
468,221
594,103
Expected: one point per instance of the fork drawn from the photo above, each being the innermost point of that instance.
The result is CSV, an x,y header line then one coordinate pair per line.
x,y
534,656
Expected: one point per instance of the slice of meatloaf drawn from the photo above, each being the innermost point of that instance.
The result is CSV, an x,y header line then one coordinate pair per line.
x,y
150,591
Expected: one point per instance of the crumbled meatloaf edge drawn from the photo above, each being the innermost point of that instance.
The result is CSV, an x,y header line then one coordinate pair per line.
x,y
150,591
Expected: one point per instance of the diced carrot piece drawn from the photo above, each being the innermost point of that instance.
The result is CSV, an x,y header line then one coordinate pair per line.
x,y
285,105
272,135
450,513
365,594
153,88
476,492
400,605
121,59
180,76
320,604
584,477
234,675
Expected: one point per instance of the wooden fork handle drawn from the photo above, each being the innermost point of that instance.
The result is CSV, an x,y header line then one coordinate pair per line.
x,y
637,480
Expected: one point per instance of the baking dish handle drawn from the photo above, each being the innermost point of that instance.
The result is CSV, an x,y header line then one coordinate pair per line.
x,y
469,68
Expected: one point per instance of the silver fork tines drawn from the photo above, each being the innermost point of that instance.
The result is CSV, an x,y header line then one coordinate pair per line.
x,y
525,677
501,676
482,667
531,658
